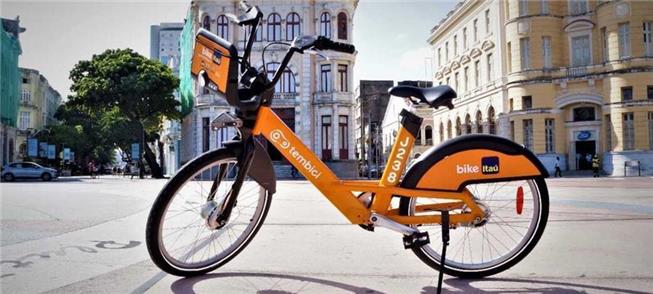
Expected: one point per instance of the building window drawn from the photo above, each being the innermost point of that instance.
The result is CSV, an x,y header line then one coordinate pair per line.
x,y
293,26
490,121
479,122
487,21
626,93
523,7
439,57
526,102
343,131
325,25
441,132
464,39
223,27
549,129
489,68
342,26
449,129
650,130
206,134
23,120
584,114
428,135
477,73
206,23
465,78
455,45
509,56
544,6
649,92
446,51
342,75
624,40
418,139
288,82
604,45
580,51
546,51
512,130
468,124
608,133
325,77
475,30
628,131
648,45
274,27
510,104
26,97
577,7
456,80
326,142
459,127
528,133
524,47
271,69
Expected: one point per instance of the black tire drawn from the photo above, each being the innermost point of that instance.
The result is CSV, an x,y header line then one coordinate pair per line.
x,y
198,168
8,177
46,177
457,268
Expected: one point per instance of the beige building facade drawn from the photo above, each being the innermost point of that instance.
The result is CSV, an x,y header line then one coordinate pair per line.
x,y
38,105
576,79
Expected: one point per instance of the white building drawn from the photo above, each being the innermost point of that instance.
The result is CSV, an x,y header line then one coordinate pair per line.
x,y
315,95
466,51
164,46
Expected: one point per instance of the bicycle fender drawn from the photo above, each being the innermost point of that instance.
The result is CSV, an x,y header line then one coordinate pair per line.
x,y
261,169
472,159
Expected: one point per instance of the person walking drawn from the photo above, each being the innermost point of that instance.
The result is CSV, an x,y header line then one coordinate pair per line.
x,y
596,163
293,172
558,172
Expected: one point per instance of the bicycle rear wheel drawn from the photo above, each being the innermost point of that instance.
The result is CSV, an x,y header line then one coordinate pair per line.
x,y
516,211
179,237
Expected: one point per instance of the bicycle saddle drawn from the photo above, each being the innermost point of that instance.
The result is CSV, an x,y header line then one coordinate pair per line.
x,y
434,96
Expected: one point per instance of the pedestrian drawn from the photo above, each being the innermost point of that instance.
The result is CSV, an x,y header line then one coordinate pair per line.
x,y
293,172
91,168
558,172
596,163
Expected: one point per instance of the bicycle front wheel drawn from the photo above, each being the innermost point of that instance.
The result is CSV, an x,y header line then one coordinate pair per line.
x,y
516,214
180,239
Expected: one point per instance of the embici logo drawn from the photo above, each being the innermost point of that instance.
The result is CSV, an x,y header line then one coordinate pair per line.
x,y
276,136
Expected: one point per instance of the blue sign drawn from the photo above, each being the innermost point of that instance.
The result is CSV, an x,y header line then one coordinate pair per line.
x,y
583,135
32,147
135,151
66,154
52,150
43,149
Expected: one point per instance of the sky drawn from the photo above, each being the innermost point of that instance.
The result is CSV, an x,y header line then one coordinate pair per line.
x,y
390,36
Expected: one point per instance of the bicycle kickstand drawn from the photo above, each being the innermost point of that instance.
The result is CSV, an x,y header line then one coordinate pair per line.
x,y
444,214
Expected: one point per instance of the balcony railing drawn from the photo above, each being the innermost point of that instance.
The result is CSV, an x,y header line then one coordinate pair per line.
x,y
285,96
578,71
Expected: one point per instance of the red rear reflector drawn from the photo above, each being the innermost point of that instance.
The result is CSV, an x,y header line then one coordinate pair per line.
x,y
520,199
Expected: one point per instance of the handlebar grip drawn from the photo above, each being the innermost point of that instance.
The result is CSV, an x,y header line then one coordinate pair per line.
x,y
324,43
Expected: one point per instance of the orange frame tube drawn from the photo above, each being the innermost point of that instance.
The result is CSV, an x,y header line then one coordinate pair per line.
x,y
342,193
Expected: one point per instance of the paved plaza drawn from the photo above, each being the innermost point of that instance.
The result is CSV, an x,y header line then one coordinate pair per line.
x,y
81,235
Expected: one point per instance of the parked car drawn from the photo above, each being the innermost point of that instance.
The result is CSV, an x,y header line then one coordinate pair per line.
x,y
28,170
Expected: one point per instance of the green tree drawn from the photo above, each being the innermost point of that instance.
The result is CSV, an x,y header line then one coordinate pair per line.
x,y
129,95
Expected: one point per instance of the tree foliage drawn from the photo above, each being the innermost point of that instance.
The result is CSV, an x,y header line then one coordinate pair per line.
x,y
117,96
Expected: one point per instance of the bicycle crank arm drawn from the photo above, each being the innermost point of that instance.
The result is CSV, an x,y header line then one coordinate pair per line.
x,y
385,222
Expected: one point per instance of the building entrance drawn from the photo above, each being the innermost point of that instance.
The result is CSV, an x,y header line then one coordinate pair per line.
x,y
584,152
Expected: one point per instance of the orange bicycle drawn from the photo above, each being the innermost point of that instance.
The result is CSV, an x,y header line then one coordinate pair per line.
x,y
488,191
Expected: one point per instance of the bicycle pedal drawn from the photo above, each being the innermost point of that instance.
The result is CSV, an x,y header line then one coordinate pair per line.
x,y
416,240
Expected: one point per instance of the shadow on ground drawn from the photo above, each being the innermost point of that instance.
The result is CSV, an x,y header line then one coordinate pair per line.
x,y
267,283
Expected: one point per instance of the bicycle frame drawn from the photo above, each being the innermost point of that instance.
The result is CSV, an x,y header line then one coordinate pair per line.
x,y
342,193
